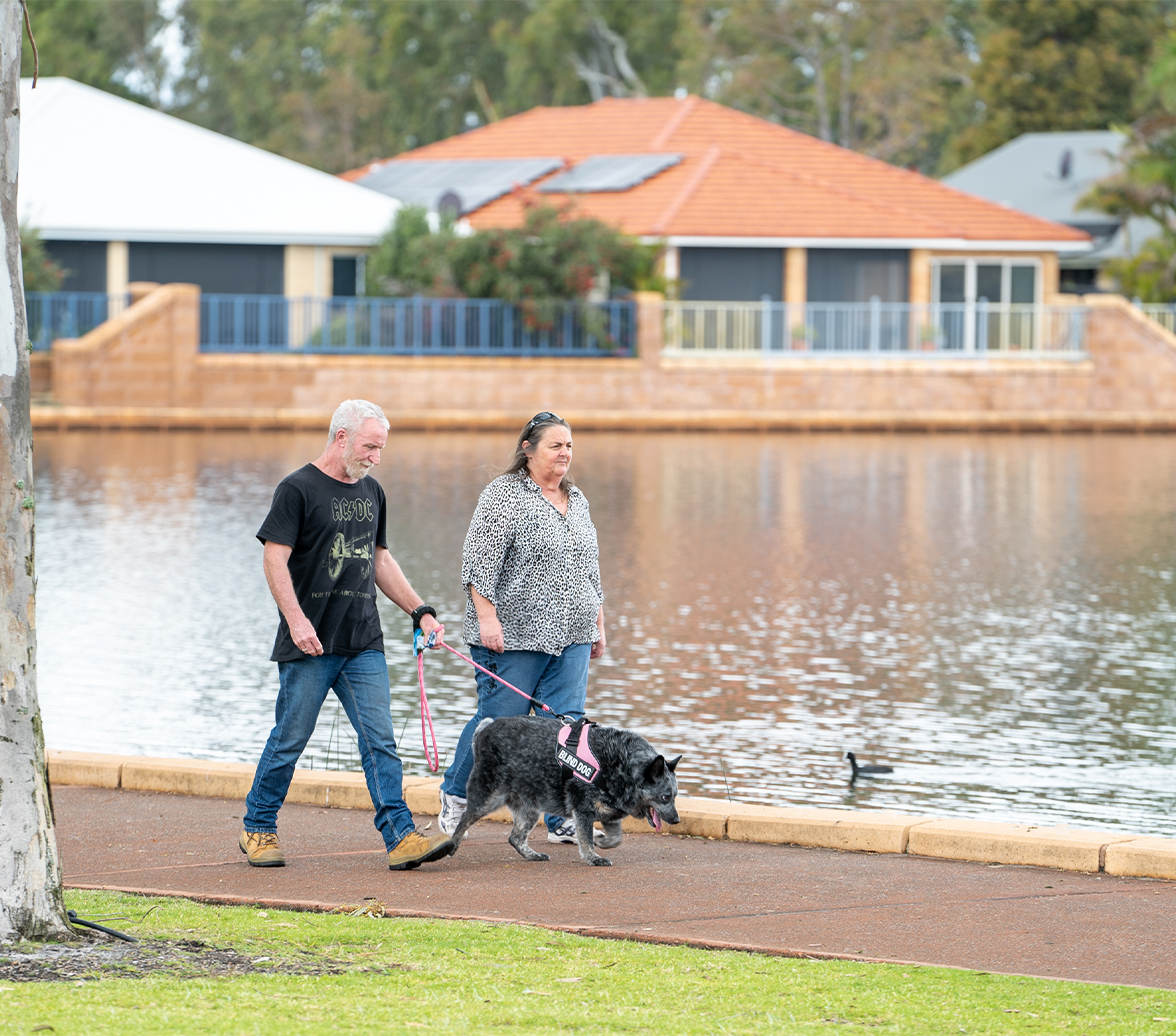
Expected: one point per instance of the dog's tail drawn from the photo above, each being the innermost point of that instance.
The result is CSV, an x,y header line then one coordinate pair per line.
x,y
477,730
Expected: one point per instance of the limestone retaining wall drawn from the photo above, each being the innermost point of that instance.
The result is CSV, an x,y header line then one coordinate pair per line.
x,y
145,368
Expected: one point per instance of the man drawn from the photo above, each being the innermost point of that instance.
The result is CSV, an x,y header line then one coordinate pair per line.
x,y
325,552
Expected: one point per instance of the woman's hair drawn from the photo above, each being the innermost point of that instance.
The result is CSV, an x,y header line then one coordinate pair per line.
x,y
531,434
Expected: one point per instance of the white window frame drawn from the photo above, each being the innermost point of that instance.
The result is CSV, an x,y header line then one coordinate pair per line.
x,y
971,262
999,309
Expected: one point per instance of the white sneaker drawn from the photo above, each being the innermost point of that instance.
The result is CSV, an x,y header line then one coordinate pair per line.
x,y
453,808
565,833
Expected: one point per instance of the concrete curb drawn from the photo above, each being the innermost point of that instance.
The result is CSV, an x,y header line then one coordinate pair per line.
x,y
879,831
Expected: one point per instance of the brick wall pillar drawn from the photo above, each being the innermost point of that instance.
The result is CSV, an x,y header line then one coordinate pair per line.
x,y
145,356
650,326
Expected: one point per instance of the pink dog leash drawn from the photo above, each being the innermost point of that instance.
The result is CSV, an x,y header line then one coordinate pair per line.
x,y
419,647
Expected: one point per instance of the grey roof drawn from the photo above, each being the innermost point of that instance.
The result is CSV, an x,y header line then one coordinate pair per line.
x,y
1045,174
609,173
475,181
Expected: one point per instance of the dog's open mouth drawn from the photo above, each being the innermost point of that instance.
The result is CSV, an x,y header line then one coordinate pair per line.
x,y
654,820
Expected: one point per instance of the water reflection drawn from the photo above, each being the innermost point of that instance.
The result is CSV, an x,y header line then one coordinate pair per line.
x,y
992,616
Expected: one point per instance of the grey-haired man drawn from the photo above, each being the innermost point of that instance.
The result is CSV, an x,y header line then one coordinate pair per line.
x,y
325,552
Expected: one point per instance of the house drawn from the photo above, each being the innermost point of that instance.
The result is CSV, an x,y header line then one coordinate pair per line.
x,y
1047,174
121,193
748,210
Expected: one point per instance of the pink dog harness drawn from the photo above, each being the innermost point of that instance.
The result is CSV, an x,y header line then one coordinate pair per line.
x,y
574,754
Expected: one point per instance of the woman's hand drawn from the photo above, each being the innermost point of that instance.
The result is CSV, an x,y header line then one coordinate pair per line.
x,y
491,631
489,628
598,646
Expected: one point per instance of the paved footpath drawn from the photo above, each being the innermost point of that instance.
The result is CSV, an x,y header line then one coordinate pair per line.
x,y
775,899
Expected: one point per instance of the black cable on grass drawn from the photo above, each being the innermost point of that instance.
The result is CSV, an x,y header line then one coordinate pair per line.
x,y
75,920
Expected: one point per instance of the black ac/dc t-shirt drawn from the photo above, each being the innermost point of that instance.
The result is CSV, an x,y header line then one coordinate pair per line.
x,y
334,529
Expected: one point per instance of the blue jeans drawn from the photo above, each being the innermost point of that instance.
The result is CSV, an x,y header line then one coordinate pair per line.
x,y
361,684
559,681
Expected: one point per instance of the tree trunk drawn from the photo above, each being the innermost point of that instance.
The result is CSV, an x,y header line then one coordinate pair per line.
x,y
30,872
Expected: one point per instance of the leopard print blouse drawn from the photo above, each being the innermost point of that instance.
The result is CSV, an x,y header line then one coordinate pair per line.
x,y
539,568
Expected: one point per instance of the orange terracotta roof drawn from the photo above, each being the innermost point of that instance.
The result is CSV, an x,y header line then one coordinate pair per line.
x,y
741,176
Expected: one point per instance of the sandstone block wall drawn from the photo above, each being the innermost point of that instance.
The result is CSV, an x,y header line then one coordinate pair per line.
x,y
149,357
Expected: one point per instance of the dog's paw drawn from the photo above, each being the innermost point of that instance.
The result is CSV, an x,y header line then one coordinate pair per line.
x,y
600,861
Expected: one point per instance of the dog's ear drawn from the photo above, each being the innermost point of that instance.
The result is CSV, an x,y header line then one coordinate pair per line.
x,y
672,765
655,770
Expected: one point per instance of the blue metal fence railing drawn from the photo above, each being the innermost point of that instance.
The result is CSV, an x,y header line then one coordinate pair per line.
x,y
68,314
416,326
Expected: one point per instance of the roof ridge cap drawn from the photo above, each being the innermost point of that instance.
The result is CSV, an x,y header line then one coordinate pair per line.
x,y
685,107
706,163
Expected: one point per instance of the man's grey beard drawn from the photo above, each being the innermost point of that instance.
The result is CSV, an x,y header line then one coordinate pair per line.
x,y
355,467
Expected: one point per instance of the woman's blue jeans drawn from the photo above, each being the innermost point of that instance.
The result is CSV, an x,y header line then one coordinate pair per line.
x,y
559,681
361,684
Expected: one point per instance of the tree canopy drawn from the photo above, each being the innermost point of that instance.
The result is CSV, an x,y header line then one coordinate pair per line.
x,y
923,83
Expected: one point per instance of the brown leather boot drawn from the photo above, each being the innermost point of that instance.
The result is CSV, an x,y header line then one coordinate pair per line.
x,y
415,848
261,849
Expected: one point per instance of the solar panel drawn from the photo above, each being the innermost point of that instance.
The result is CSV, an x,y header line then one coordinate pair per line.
x,y
475,181
609,173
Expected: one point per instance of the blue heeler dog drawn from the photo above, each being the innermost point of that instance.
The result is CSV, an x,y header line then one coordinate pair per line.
x,y
535,765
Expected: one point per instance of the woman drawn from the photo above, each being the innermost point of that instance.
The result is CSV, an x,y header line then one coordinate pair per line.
x,y
534,611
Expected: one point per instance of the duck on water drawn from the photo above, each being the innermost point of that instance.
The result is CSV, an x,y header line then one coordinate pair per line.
x,y
868,770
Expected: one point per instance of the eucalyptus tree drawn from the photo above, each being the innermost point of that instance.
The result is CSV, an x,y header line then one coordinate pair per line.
x,y
30,874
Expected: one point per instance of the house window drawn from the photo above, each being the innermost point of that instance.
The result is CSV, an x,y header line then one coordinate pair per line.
x,y
731,274
1015,281
858,274
84,263
986,303
217,269
343,276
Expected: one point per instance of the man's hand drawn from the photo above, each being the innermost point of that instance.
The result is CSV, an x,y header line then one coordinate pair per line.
x,y
276,562
304,637
428,624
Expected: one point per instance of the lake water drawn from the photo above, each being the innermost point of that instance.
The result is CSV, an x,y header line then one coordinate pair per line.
x,y
993,616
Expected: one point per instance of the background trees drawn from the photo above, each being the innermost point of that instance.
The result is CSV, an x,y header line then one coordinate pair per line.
x,y
1048,65
928,83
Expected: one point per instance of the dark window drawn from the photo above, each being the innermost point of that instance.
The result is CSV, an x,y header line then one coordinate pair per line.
x,y
988,278
732,274
952,283
84,263
858,275
218,269
1079,282
343,275
1023,285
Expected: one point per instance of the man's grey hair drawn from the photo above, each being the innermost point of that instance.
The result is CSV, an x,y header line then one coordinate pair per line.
x,y
351,413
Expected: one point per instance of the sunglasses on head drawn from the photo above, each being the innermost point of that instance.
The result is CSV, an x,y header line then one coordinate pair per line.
x,y
547,415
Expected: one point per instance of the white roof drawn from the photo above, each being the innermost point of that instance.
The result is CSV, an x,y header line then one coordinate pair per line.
x,y
95,167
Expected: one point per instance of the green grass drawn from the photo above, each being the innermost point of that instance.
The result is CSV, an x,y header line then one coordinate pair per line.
x,y
408,975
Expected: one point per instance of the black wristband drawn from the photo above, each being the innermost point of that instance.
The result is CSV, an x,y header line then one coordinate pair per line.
x,y
416,613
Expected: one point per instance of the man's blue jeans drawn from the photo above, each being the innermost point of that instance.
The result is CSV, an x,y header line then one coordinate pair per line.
x,y
559,681
361,684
